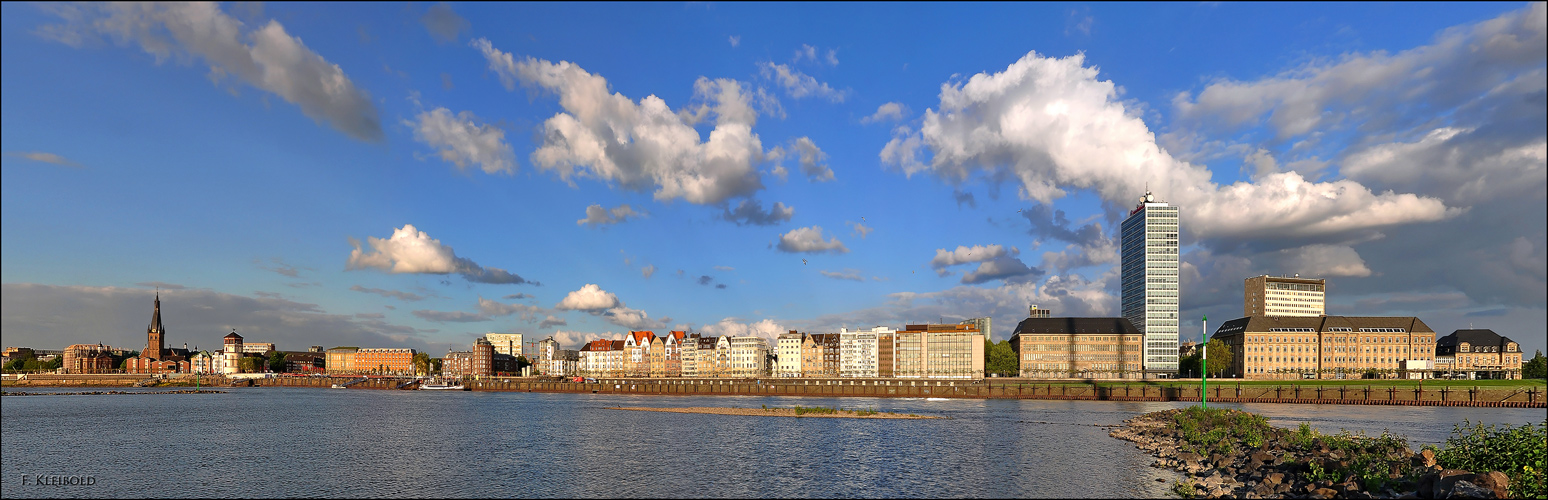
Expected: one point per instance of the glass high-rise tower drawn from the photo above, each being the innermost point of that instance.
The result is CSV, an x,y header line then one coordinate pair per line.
x,y
1149,259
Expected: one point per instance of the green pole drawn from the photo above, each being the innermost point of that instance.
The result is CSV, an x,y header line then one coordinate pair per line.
x,y
1204,363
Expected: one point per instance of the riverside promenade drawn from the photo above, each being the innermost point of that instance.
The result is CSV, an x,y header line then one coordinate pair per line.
x,y
1375,392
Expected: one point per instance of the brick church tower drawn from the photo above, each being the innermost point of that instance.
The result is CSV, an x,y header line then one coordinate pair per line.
x,y
155,335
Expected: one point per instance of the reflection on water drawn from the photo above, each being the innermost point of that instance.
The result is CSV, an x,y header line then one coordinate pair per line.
x,y
323,443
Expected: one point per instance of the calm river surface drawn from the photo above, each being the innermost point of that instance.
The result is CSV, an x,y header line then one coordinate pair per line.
x,y
299,442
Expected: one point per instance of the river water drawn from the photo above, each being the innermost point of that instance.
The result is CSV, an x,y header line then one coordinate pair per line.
x,y
302,442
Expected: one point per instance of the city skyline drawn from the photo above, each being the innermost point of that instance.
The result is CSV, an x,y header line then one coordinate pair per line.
x,y
421,175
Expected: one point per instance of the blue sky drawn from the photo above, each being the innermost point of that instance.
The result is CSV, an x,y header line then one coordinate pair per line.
x,y
419,174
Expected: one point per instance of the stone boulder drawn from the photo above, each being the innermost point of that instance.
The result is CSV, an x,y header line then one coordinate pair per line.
x,y
1445,479
1466,489
1495,481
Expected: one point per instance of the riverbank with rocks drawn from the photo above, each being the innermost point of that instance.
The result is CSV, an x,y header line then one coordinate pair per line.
x,y
1236,454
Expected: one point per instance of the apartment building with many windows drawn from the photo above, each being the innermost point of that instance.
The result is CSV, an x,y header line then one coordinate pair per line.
x,y
1049,347
1328,347
1477,354
788,354
1149,264
1284,296
939,351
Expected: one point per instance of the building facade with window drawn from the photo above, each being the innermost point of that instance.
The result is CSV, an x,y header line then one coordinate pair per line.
x,y
1477,354
1328,347
857,353
788,353
939,352
1054,348
1149,264
747,357
506,343
88,358
1284,296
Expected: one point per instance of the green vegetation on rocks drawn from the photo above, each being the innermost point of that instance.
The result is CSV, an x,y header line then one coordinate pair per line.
x,y
1519,452
1238,454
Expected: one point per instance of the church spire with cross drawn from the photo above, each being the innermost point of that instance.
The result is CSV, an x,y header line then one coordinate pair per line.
x,y
155,334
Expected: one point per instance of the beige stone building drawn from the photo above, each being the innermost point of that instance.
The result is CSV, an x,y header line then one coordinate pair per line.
x,y
506,343
1050,347
341,360
1477,354
820,355
1284,296
939,351
1329,347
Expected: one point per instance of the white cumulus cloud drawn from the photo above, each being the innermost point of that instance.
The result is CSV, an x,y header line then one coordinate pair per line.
x,y
268,58
1460,64
797,84
462,139
589,298
1050,124
766,328
410,250
641,145
892,111
809,240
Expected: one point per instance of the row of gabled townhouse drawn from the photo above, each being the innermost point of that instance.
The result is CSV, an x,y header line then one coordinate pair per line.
x,y
916,351
676,354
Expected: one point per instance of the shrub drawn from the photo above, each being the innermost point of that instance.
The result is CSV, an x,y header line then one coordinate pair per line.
x,y
1519,452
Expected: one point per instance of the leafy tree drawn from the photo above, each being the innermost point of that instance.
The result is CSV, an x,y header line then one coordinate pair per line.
x,y
1000,359
1537,367
54,364
1219,357
250,364
522,362
1188,366
435,364
421,363
277,362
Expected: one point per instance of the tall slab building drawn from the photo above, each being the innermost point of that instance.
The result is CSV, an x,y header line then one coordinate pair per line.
x,y
1284,296
1150,284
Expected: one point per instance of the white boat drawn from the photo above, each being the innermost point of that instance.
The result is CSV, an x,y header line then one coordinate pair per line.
x,y
337,386
443,385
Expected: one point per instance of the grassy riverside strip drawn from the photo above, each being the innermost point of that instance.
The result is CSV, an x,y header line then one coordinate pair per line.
x,y
799,411
1231,453
105,393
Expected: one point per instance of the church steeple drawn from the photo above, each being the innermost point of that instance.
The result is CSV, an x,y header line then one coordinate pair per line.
x,y
155,324
155,334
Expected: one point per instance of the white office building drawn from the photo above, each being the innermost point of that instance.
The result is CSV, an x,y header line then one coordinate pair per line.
x,y
747,357
506,343
1150,284
858,353
788,354
1284,296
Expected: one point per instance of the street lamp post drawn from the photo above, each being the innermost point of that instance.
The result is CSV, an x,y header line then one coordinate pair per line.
x,y
1204,363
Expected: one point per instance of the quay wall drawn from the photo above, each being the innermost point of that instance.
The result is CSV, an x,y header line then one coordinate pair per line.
x,y
1224,392
1529,397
